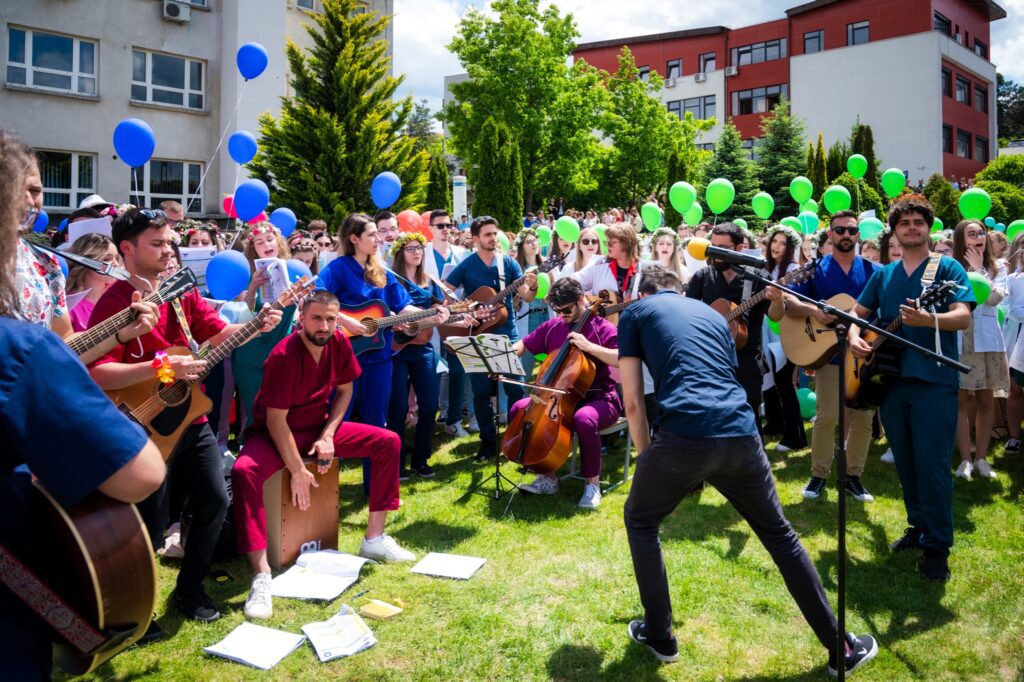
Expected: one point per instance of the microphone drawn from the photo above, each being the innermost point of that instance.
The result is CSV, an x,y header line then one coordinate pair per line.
x,y
701,249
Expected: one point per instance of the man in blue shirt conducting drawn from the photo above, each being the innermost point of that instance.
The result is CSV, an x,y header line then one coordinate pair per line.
x,y
706,433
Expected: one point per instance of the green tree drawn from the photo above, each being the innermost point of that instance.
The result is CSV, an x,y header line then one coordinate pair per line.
x,y
935,180
945,202
342,127
817,171
420,127
439,187
732,163
863,143
1006,169
516,56
1010,107
781,156
810,161
498,180
835,163
1007,200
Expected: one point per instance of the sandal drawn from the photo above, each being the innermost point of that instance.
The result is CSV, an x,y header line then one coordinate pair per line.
x,y
1000,432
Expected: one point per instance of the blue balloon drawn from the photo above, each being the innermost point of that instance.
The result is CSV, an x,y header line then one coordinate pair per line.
x,y
1000,227
41,223
134,141
63,266
242,146
227,275
297,270
252,59
990,222
251,197
63,224
385,190
283,219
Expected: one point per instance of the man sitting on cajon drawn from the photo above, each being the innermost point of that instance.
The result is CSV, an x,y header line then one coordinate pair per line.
x,y
294,416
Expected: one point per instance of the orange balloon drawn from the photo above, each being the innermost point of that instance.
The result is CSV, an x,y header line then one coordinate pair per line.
x,y
409,221
426,220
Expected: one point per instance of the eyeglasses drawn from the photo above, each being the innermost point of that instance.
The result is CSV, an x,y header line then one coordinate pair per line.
x,y
413,248
564,310
589,242
530,241
852,231
974,235
443,226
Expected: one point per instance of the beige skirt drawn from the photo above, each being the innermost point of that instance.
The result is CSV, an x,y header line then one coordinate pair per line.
x,y
988,370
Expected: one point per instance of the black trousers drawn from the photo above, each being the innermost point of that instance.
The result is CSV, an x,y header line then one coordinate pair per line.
x,y
738,467
782,410
197,473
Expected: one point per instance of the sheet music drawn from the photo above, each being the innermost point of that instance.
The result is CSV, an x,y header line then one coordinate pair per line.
x,y
278,273
197,258
497,354
256,645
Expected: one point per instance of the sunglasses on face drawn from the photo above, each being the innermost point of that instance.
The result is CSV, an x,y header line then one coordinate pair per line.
x,y
588,242
852,231
564,310
443,226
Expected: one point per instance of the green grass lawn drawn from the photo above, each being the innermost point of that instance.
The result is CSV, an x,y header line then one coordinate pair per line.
x,y
556,593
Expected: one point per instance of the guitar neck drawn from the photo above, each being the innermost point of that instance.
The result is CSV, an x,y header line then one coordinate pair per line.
x,y
618,307
759,296
94,336
392,320
499,298
247,331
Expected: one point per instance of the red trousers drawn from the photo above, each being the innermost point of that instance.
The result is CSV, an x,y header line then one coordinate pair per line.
x,y
259,460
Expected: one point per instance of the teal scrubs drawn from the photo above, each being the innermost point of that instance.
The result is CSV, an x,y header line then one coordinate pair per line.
x,y
920,411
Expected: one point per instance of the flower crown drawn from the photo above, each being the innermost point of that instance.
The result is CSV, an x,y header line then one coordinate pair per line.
x,y
264,228
189,227
522,235
403,240
791,236
665,232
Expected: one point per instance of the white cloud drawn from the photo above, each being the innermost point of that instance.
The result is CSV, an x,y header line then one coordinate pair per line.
x,y
1008,41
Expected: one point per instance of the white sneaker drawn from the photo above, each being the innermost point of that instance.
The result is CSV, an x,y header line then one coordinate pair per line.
x,y
964,470
888,457
259,604
541,485
455,430
473,426
591,496
983,468
384,548
782,448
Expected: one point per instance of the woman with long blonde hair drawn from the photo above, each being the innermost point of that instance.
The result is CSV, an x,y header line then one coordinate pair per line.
x,y
81,279
665,250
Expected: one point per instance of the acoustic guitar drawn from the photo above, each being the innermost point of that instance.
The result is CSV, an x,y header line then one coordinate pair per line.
x,y
868,379
425,331
610,304
808,344
486,296
173,287
733,312
164,411
97,557
376,316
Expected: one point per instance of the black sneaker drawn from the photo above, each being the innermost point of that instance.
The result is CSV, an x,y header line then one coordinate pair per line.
x,y
1012,445
935,566
911,540
423,470
488,450
814,488
153,633
665,650
862,650
403,474
196,606
857,489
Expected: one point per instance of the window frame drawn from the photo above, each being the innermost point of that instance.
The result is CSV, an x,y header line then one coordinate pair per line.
x,y
768,95
76,74
819,36
980,98
704,59
675,107
187,92
947,139
981,145
853,30
149,198
678,64
757,53
980,48
946,24
962,135
644,73
959,81
946,82
76,192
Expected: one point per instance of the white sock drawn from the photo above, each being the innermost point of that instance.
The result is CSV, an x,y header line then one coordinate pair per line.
x,y
373,541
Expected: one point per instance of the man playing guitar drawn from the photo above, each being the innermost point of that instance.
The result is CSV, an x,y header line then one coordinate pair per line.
x,y
841,272
601,407
920,410
145,240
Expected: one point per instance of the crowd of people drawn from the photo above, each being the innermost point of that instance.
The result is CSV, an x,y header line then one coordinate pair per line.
x,y
318,379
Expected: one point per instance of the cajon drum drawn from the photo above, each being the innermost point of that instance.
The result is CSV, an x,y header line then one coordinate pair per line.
x,y
291,531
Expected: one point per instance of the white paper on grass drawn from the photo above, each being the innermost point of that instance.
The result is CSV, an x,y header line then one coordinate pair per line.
x,y
345,634
256,645
449,565
320,575
80,228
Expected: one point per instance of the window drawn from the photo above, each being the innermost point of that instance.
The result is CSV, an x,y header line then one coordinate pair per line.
x,y
700,107
675,107
963,144
306,4
943,25
814,42
947,139
963,90
645,73
159,181
947,82
980,49
857,34
706,147
757,100
692,106
981,99
751,146
759,52
674,68
51,62
710,106
707,62
67,178
980,149
166,79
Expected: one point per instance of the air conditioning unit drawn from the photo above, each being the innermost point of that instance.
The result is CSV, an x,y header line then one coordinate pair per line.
x,y
177,11
731,71
700,77
670,82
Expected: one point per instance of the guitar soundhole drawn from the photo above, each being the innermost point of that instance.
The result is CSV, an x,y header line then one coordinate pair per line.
x,y
174,394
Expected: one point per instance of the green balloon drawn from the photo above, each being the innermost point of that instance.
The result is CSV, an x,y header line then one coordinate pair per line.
x,y
801,189
719,195
893,182
503,241
544,235
1001,316
740,222
808,403
936,236
540,357
808,222
793,222
651,215
774,326
857,165
682,195
693,216
975,204
810,205
937,225
1014,228
870,228
543,285
837,198
980,285
567,228
763,205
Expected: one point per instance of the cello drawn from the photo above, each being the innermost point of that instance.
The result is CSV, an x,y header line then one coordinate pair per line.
x,y
539,436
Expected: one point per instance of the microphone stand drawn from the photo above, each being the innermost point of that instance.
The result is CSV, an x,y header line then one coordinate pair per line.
x,y
842,329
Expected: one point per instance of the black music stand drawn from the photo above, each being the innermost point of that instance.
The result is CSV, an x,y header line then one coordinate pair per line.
x,y
842,329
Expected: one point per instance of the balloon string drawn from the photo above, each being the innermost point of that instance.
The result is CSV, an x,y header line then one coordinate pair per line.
x,y
135,180
220,143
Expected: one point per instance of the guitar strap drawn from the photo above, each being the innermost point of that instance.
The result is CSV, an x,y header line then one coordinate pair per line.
x,y
48,605
183,321
927,279
501,272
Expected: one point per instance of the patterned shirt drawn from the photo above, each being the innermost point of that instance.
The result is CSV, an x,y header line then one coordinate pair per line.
x,y
40,285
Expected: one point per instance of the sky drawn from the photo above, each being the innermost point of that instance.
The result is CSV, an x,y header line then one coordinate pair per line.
x,y
424,27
